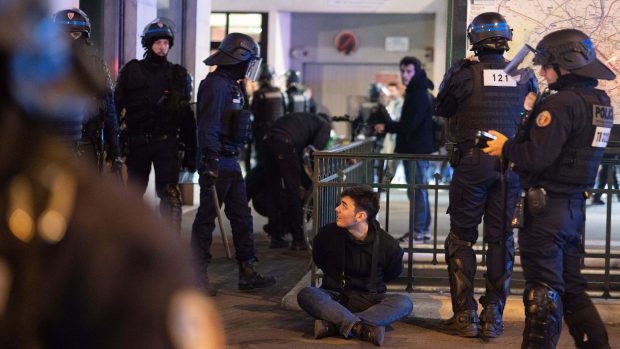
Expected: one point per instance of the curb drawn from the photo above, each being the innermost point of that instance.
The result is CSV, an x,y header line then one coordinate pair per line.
x,y
439,306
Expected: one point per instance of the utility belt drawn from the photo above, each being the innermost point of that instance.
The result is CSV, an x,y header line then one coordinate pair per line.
x,y
536,200
459,151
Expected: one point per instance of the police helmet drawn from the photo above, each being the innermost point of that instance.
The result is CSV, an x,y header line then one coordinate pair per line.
x,y
235,48
293,77
489,30
73,21
160,28
573,50
266,74
374,92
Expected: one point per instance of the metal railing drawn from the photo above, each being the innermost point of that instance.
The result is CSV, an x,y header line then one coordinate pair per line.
x,y
355,164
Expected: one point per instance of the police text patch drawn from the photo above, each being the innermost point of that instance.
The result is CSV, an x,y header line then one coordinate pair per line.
x,y
601,137
602,116
497,77
543,119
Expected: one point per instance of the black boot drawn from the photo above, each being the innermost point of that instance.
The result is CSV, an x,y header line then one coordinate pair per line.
x,y
464,324
491,323
369,332
249,279
324,329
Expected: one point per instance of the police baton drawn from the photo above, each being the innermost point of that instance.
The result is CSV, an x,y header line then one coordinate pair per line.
x,y
216,201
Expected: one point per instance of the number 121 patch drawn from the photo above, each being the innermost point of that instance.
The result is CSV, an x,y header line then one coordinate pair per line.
x,y
497,77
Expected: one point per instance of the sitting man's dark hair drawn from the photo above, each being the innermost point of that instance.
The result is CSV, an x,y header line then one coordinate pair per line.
x,y
365,200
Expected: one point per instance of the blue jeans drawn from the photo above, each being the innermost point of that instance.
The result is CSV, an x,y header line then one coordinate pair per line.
x,y
421,211
323,304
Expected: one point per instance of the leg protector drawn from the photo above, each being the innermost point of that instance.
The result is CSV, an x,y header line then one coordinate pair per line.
x,y
171,204
461,262
543,317
586,327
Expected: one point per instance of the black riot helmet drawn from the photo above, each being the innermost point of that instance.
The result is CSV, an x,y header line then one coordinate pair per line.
x,y
293,77
489,30
73,21
160,28
572,50
238,48
266,74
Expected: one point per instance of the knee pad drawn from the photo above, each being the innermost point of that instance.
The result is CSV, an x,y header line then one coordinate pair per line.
x,y
453,245
172,195
542,316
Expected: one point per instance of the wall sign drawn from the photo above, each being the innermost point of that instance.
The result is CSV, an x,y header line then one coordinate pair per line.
x,y
346,42
397,43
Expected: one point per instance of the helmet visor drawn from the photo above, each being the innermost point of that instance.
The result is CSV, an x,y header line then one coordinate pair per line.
x,y
253,68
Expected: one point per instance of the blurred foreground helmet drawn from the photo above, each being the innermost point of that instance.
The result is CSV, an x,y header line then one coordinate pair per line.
x,y
293,77
238,48
73,21
266,74
160,28
573,50
489,30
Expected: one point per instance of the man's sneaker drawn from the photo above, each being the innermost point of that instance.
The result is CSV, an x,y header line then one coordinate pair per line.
x,y
324,329
491,324
596,200
369,332
464,324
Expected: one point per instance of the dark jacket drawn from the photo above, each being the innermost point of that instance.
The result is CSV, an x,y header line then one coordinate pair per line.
x,y
415,129
335,250
302,129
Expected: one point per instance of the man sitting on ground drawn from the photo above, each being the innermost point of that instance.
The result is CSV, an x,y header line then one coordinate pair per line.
x,y
358,258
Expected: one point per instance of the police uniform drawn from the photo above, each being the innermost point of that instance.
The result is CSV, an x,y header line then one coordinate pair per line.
x,y
98,131
218,94
154,94
558,157
557,153
268,104
478,95
284,147
223,129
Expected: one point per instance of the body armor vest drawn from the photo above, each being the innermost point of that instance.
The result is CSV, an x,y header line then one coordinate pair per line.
x,y
495,102
297,102
269,105
581,155
153,97
235,122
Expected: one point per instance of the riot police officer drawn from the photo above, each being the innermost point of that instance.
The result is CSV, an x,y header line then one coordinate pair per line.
x,y
297,94
72,278
223,129
268,104
557,153
154,95
99,130
477,95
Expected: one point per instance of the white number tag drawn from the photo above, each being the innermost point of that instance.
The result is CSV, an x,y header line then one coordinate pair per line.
x,y
497,77
601,136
